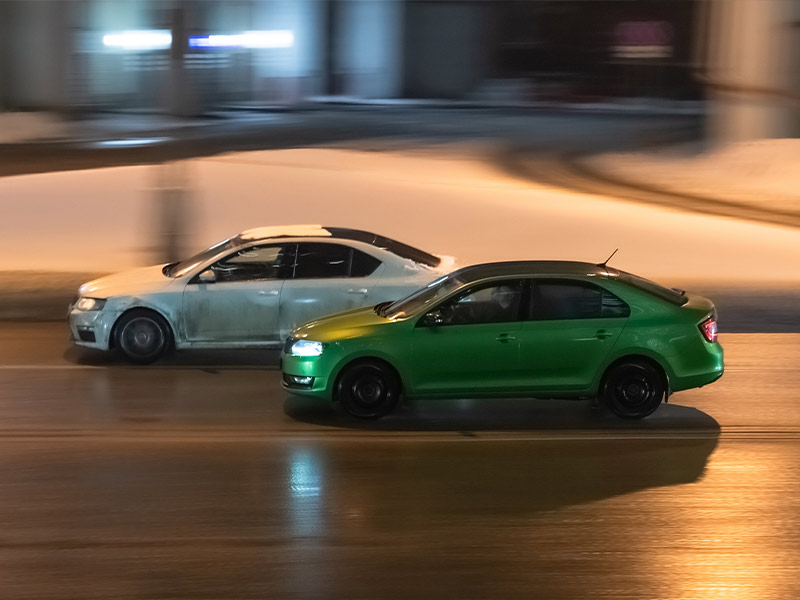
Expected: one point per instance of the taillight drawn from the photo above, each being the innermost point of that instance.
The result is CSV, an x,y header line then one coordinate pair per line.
x,y
709,329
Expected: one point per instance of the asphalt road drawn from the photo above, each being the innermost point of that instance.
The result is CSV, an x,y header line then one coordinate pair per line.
x,y
199,478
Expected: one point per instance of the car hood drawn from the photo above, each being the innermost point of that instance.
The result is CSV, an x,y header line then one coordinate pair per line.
x,y
342,326
127,283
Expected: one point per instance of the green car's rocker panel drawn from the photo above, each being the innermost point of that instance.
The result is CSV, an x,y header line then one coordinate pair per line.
x,y
531,355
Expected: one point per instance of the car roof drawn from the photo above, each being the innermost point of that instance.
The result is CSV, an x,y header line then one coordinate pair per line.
x,y
528,268
343,233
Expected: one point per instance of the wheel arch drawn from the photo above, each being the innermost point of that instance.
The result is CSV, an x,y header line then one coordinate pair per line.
x,y
112,338
366,358
636,357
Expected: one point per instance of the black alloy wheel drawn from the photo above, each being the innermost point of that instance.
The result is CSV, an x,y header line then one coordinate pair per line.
x,y
142,336
368,390
633,390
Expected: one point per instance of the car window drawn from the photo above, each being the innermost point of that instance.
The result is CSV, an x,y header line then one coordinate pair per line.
x,y
613,306
321,260
362,264
565,299
252,264
497,302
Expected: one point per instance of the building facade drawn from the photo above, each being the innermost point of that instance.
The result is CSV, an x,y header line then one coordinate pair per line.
x,y
187,57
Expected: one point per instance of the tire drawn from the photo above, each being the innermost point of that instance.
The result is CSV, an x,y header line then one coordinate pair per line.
x,y
142,336
633,389
368,390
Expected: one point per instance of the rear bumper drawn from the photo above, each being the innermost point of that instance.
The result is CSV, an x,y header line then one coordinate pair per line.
x,y
701,369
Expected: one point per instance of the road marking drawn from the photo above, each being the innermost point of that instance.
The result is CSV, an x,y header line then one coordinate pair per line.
x,y
137,368
47,367
232,436
261,367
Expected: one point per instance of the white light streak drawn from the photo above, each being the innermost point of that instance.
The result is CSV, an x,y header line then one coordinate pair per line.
x,y
143,39
132,142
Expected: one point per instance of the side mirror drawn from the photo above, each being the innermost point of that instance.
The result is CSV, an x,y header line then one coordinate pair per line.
x,y
433,319
207,276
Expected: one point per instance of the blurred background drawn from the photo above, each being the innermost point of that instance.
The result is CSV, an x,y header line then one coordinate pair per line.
x,y
134,132
740,59
528,120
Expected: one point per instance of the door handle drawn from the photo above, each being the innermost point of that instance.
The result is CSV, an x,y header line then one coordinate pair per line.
x,y
603,334
268,292
362,291
504,338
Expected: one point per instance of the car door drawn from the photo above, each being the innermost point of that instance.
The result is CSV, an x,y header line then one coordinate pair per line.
x,y
326,278
240,303
469,344
572,327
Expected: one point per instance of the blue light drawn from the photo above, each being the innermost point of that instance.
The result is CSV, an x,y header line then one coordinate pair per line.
x,y
126,143
278,38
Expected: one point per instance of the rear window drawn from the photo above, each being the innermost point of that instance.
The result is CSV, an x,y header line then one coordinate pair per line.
x,y
393,246
676,297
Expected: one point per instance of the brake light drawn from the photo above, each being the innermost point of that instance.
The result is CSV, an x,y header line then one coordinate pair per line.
x,y
709,329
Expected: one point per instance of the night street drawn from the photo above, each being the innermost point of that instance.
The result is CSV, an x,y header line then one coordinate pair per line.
x,y
389,202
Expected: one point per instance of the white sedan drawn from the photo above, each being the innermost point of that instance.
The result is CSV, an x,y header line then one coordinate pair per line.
x,y
250,290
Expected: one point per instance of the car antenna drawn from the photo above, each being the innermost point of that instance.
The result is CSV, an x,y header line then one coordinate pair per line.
x,y
605,262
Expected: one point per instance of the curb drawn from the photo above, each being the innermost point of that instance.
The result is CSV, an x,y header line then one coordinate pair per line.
x,y
690,202
39,295
570,171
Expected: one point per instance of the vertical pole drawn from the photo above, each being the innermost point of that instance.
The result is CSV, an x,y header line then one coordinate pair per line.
x,y
330,49
751,69
171,204
172,213
182,101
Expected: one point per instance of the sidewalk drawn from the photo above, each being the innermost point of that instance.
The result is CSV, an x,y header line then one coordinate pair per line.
x,y
758,180
738,180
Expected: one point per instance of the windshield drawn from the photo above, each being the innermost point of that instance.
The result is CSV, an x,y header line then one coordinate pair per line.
x,y
422,299
182,267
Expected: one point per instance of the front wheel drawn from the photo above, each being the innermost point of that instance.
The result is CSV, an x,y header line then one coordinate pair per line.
x,y
633,390
142,336
368,390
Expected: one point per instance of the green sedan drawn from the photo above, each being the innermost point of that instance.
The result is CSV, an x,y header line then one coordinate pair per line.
x,y
539,329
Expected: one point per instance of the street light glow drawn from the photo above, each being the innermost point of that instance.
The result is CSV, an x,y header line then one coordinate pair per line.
x,y
144,39
161,39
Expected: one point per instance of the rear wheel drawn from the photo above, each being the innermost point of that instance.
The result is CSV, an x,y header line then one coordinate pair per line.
x,y
142,336
368,390
633,389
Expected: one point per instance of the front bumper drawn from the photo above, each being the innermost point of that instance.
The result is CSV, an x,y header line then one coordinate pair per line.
x,y
295,370
90,328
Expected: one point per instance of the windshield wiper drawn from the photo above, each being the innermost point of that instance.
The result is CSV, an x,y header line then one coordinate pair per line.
x,y
168,267
378,308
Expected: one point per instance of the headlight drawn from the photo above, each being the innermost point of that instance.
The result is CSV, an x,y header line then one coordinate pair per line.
x,y
90,304
306,348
